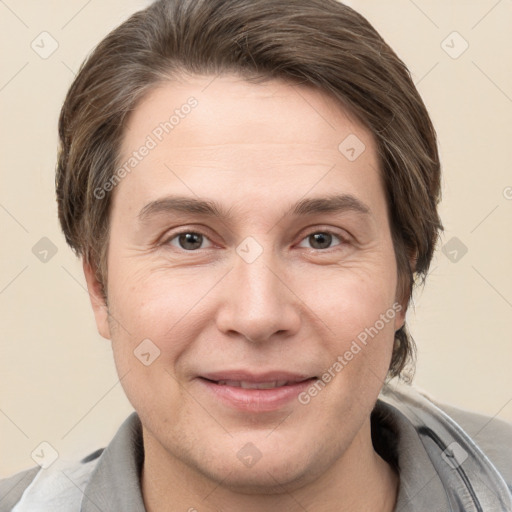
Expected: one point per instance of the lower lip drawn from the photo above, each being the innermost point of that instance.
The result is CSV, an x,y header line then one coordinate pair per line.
x,y
255,400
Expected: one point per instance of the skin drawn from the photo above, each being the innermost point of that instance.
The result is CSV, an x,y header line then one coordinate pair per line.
x,y
256,149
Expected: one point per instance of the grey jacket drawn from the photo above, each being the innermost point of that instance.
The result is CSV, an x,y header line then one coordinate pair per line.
x,y
448,460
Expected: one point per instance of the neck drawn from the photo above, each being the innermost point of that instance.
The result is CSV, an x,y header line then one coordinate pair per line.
x,y
360,480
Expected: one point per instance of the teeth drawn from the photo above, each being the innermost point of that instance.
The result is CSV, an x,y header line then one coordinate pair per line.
x,y
253,385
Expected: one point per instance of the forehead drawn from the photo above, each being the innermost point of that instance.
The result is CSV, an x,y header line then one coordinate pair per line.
x,y
240,112
268,136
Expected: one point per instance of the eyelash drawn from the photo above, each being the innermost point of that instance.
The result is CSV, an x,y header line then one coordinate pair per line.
x,y
342,240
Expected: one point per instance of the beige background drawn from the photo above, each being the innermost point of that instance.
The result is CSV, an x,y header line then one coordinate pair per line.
x,y
58,379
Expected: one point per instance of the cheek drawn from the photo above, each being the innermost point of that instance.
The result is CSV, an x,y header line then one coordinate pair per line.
x,y
358,310
351,297
154,300
157,328
156,316
358,337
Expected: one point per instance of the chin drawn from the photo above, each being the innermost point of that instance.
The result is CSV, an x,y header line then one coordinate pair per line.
x,y
269,475
265,480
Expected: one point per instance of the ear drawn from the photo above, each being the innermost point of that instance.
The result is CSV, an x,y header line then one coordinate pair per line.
x,y
403,295
400,311
98,303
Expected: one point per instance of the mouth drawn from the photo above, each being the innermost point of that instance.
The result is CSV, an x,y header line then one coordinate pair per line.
x,y
255,393
245,384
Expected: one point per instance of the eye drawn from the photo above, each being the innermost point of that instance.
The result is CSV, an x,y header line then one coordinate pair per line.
x,y
321,240
189,241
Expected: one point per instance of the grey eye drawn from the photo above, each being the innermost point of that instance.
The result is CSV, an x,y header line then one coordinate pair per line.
x,y
188,241
320,240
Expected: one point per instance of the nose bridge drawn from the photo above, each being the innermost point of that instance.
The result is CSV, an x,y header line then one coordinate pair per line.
x,y
256,285
257,303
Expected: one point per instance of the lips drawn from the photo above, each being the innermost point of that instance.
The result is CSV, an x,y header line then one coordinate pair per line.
x,y
253,385
250,392
250,377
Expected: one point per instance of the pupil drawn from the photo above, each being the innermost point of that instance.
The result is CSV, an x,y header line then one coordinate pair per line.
x,y
190,240
320,240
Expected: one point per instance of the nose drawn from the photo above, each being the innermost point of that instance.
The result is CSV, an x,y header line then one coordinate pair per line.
x,y
258,304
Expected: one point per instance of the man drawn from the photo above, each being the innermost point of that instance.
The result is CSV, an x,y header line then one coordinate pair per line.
x,y
253,186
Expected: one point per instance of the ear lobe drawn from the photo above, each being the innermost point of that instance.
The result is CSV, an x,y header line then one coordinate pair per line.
x,y
98,303
402,298
404,291
400,312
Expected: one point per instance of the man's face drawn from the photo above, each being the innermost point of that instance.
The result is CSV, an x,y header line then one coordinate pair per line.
x,y
273,291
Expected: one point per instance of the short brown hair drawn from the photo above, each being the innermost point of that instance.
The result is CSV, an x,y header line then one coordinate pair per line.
x,y
322,43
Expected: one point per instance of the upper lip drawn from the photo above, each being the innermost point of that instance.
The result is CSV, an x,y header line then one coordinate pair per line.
x,y
246,376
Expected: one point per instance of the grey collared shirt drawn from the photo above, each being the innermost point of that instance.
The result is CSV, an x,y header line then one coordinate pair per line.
x,y
448,460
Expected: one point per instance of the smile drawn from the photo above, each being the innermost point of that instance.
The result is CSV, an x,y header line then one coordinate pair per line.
x,y
256,394
254,385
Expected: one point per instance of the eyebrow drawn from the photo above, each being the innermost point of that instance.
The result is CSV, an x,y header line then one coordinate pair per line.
x,y
309,206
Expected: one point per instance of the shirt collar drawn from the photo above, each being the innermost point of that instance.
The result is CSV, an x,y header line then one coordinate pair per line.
x,y
115,482
405,432
420,487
